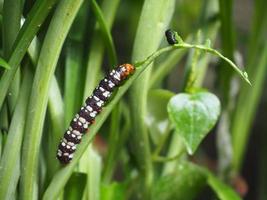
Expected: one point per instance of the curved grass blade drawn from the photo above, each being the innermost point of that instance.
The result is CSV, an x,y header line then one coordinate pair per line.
x,y
55,37
96,53
106,33
10,161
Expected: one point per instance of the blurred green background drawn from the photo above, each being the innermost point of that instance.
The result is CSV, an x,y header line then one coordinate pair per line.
x,y
58,50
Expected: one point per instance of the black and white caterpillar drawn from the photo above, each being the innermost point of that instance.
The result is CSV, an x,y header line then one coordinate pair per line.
x,y
93,106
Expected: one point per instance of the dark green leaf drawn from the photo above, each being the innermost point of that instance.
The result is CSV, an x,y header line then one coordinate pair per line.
x,y
185,183
75,186
193,116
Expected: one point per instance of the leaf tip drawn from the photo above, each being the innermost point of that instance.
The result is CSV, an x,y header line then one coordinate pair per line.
x,y
245,75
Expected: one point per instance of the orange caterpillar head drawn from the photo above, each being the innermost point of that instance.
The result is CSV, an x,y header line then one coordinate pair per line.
x,y
127,69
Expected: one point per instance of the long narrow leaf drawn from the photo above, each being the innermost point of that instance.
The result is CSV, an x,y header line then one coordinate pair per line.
x,y
106,33
10,162
58,29
96,53
154,20
12,11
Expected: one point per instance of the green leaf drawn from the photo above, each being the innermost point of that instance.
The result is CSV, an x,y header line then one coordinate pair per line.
x,y
4,64
157,117
106,33
75,187
113,191
223,191
193,116
185,183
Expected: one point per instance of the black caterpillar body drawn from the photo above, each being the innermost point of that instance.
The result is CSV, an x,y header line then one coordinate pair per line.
x,y
170,36
86,116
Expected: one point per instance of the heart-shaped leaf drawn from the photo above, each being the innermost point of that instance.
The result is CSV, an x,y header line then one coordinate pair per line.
x,y
194,115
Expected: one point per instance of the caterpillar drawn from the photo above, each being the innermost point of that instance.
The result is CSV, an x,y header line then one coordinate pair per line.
x,y
170,36
92,107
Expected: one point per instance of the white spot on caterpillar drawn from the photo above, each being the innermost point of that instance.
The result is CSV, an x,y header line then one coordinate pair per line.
x,y
111,84
85,126
93,114
96,98
81,119
101,89
89,108
76,132
106,94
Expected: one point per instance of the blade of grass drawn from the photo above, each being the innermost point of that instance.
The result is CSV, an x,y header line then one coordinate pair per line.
x,y
74,64
249,98
93,170
10,162
56,111
1,143
96,52
55,37
245,112
117,139
74,54
56,114
113,143
12,12
153,21
228,43
4,123
106,33
75,186
258,31
32,24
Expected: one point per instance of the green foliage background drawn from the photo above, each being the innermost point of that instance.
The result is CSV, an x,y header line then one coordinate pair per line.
x,y
53,54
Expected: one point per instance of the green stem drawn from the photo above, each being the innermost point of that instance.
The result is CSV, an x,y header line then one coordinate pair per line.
x,y
147,40
55,37
168,159
10,162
